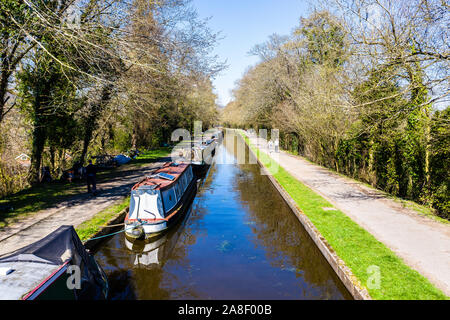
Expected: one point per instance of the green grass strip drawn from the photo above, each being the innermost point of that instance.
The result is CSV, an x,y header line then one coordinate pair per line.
x,y
90,227
148,156
353,244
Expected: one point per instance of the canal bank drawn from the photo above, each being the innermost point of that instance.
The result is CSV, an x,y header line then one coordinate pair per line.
x,y
239,240
362,253
105,223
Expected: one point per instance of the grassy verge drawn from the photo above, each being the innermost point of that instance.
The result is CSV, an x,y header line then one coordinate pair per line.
x,y
420,209
44,196
353,244
90,227
152,155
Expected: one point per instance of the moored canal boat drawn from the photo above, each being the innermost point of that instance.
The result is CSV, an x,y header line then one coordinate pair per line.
x,y
201,151
57,267
158,201
202,156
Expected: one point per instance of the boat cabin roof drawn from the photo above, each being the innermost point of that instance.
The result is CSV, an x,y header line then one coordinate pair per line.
x,y
163,177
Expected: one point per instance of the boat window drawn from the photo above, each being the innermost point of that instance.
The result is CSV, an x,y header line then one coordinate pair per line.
x,y
189,175
169,199
182,183
178,189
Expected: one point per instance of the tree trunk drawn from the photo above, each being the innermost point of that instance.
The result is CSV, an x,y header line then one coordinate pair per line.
x,y
3,88
370,171
52,160
133,139
39,136
427,149
92,119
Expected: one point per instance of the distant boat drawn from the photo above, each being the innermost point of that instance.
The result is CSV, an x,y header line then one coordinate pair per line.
x,y
200,152
158,201
43,270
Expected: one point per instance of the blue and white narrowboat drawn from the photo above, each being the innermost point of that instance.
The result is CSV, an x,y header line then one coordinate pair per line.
x,y
160,200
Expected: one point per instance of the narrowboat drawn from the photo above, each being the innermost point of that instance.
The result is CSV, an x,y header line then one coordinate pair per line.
x,y
57,267
201,151
159,200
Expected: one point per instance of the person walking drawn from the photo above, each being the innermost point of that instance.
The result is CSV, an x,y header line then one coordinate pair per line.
x,y
270,146
277,146
91,177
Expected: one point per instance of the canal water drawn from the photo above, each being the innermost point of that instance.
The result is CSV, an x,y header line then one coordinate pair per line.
x,y
239,240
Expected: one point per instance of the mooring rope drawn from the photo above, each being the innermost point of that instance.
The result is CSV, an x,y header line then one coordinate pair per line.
x,y
113,234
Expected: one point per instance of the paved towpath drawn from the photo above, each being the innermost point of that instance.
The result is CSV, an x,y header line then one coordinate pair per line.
x,y
423,243
75,210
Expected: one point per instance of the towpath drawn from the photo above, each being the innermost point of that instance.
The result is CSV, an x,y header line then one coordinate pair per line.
x,y
74,210
423,243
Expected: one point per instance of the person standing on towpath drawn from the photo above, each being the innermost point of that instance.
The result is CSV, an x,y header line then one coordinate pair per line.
x,y
91,177
277,146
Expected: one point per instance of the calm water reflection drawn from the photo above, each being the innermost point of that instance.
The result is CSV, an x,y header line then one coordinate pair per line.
x,y
239,241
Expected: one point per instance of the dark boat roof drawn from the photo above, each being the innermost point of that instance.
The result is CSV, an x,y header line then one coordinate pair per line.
x,y
33,264
170,169
56,248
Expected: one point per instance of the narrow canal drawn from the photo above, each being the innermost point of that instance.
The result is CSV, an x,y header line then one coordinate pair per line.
x,y
239,241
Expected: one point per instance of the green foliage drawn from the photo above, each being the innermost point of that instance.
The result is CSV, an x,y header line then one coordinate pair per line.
x,y
110,85
47,99
122,140
372,121
388,147
325,38
440,162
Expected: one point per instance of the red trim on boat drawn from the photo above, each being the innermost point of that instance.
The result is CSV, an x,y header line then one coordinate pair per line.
x,y
45,281
155,220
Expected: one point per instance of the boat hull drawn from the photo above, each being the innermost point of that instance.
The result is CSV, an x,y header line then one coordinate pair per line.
x,y
200,170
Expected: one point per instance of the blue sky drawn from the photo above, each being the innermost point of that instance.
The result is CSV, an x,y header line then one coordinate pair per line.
x,y
243,24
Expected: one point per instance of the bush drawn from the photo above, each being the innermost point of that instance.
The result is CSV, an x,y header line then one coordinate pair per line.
x,y
13,178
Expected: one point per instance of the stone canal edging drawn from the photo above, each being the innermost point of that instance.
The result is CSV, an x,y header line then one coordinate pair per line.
x,y
337,264
94,241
